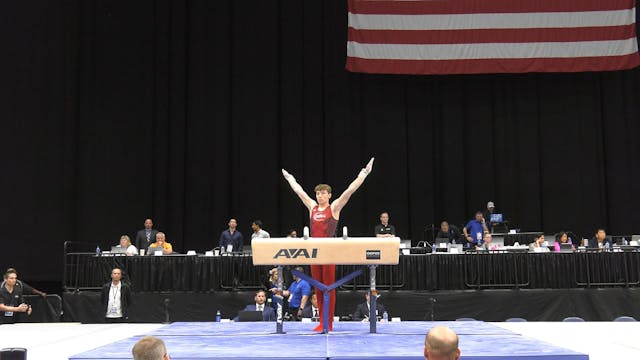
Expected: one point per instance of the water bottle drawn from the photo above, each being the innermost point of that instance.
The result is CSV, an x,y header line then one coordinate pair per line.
x,y
218,315
97,250
433,248
385,316
453,241
606,245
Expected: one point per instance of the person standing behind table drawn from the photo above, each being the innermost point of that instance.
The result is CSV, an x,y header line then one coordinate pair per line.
x,y
491,209
146,236
298,293
12,305
258,232
116,298
232,237
160,244
384,229
474,230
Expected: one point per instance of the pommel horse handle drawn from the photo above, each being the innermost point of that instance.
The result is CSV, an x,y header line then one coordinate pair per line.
x,y
370,251
326,251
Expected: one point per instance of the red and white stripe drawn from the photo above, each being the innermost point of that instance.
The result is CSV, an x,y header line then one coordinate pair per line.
x,y
490,36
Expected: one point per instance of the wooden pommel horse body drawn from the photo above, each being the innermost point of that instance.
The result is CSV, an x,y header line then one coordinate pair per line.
x,y
369,251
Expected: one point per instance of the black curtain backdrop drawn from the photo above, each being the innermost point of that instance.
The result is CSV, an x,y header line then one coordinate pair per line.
x,y
113,111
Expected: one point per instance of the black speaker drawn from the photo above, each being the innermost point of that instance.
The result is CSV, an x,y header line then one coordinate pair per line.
x,y
13,354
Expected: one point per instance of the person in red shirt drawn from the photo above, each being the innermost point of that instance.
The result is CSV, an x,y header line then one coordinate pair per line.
x,y
324,218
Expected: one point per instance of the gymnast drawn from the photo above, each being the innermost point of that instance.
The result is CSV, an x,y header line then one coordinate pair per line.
x,y
324,218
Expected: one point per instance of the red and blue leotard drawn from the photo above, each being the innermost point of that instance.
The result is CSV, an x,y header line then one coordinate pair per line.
x,y
323,224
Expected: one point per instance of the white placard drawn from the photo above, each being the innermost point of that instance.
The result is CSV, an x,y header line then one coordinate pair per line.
x,y
208,253
157,253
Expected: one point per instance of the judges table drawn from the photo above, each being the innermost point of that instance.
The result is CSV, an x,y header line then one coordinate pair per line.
x,y
414,272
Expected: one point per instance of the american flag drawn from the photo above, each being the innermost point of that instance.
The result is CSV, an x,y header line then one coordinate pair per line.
x,y
491,36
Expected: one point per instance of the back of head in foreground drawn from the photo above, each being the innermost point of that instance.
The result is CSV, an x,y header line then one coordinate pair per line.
x,y
150,348
441,343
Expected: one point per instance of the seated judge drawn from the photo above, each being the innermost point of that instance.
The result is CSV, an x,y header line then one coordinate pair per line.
x,y
125,242
362,310
384,229
268,313
447,231
160,244
562,238
538,243
486,244
312,312
600,240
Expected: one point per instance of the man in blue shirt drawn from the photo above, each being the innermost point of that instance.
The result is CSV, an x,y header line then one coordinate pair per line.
x,y
474,230
232,237
298,294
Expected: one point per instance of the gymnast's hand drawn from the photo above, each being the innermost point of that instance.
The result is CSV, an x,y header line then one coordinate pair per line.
x,y
367,169
286,175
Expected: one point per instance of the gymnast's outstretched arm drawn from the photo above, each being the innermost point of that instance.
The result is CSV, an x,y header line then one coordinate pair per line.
x,y
306,200
340,202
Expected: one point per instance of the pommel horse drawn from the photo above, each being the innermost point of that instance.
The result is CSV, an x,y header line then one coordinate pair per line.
x,y
370,251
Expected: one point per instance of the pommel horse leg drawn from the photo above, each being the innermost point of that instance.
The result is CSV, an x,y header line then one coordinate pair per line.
x,y
326,289
279,304
373,295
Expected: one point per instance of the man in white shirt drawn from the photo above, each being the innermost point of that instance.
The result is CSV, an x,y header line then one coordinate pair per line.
x,y
258,232
116,296
268,313
312,312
